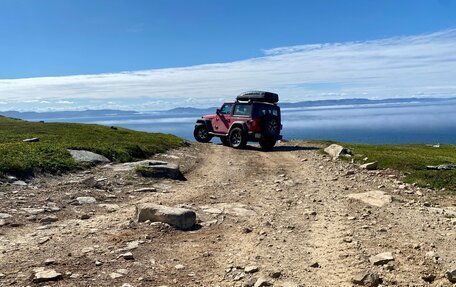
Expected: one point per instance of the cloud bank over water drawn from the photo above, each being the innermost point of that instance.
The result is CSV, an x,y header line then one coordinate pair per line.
x,y
409,66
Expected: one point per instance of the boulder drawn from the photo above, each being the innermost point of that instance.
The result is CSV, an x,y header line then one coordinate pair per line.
x,y
370,165
381,258
180,218
88,156
336,151
376,197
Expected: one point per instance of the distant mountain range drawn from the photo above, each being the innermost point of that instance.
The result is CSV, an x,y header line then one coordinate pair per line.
x,y
192,110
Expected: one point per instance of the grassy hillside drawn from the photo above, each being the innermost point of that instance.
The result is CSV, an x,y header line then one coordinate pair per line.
x,y
50,153
413,159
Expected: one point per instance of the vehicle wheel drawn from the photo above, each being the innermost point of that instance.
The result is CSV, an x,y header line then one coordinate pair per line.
x,y
271,126
225,141
267,144
201,134
237,138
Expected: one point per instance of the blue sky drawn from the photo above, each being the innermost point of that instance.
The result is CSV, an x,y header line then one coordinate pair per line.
x,y
64,54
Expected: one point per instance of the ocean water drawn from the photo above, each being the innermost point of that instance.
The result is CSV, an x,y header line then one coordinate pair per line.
x,y
371,123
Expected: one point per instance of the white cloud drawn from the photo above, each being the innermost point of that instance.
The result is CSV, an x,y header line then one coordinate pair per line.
x,y
423,65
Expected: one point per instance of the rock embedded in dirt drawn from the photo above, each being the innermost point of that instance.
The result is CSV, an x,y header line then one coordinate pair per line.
x,y
336,151
5,216
180,218
262,282
86,200
90,182
128,256
42,275
251,269
381,258
49,219
49,261
88,156
376,197
451,275
159,169
146,189
370,165
20,183
367,279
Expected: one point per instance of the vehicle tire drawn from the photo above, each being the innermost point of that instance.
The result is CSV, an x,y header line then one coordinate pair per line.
x,y
271,126
237,138
201,134
267,144
225,141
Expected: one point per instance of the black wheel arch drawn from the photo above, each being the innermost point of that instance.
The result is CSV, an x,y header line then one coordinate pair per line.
x,y
204,122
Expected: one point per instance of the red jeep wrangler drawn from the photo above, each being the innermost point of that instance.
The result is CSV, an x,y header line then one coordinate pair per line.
x,y
254,116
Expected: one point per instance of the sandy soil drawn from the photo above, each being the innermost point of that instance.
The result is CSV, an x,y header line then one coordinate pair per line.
x,y
285,213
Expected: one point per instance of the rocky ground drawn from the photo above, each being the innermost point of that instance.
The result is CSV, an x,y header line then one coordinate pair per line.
x,y
290,217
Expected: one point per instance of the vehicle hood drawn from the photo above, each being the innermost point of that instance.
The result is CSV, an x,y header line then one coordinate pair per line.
x,y
208,117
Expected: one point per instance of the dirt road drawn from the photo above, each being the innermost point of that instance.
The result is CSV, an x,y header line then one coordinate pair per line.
x,y
283,216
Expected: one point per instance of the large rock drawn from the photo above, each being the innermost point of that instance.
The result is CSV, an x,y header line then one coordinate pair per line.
x,y
381,258
370,165
88,156
42,275
336,151
376,197
152,168
180,218
160,169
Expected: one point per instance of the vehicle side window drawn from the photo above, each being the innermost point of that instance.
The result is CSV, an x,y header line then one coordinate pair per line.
x,y
267,110
226,109
242,110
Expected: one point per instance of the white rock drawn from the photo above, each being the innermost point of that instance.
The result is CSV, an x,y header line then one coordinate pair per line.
x,y
88,156
178,217
376,197
336,151
381,258
42,275
86,200
370,165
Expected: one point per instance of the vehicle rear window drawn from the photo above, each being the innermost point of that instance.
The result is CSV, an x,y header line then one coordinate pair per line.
x,y
264,110
242,110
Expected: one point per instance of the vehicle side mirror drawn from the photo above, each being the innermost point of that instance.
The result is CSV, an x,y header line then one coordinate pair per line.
x,y
217,111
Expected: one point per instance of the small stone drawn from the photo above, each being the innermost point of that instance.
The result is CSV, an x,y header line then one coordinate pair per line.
x,y
146,189
275,274
49,219
5,216
451,275
370,165
251,269
432,255
262,282
98,263
428,277
86,200
115,275
128,256
315,265
381,258
367,279
46,276
49,261
43,240
85,216
179,267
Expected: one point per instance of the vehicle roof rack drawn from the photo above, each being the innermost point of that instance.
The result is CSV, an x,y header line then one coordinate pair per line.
x,y
259,96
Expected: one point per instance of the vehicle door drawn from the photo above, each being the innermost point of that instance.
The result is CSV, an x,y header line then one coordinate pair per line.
x,y
222,119
242,112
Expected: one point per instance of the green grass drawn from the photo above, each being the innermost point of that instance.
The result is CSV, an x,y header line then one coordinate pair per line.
x,y
50,154
412,159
